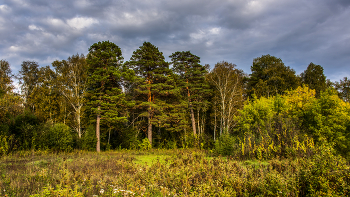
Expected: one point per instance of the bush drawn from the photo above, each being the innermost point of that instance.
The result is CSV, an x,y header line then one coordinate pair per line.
x,y
4,144
145,145
60,138
25,131
325,174
225,144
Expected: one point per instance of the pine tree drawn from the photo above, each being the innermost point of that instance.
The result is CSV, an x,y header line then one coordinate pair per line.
x,y
105,94
192,82
155,88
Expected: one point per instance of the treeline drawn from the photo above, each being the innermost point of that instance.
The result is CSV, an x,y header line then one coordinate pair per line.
x,y
101,102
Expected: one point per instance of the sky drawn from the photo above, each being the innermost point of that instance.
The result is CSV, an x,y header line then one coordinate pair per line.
x,y
236,31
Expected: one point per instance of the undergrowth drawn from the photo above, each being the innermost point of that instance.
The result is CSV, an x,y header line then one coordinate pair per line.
x,y
170,173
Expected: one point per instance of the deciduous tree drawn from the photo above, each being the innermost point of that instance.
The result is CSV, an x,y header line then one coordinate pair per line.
x,y
343,87
314,78
270,77
228,83
72,82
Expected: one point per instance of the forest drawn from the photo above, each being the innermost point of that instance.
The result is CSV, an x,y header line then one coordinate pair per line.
x,y
99,102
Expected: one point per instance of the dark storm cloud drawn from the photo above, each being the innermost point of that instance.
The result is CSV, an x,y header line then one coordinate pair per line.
x,y
298,32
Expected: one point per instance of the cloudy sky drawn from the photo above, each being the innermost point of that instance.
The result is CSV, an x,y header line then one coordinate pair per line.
x,y
237,31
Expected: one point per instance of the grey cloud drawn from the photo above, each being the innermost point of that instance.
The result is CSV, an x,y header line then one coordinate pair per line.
x,y
298,32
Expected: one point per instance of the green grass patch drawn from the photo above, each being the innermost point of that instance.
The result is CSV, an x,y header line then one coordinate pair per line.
x,y
148,160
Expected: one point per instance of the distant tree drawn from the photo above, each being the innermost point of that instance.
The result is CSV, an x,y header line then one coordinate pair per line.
x,y
270,77
10,102
29,80
343,88
105,94
314,78
5,77
72,82
228,95
45,96
191,81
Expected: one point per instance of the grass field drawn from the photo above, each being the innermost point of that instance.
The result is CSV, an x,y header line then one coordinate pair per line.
x,y
165,173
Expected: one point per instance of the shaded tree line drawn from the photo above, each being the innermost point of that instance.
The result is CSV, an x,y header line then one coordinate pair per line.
x,y
101,102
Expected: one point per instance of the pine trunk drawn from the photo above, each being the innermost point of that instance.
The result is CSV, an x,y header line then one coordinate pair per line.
x,y
149,131
192,113
193,121
149,134
98,130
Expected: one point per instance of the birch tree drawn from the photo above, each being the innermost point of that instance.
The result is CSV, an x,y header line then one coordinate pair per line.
x,y
227,81
72,82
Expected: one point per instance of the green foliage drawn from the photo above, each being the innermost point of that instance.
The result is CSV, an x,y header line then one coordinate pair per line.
x,y
270,77
191,80
343,87
105,81
314,78
60,138
294,124
145,144
88,140
26,131
156,95
5,144
225,145
129,138
325,174
270,127
333,120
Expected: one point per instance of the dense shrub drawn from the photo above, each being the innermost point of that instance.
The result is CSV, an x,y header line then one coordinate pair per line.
x,y
60,138
293,124
225,145
145,144
25,129
326,174
5,144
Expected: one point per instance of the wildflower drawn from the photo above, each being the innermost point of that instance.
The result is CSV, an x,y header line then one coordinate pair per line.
x,y
102,190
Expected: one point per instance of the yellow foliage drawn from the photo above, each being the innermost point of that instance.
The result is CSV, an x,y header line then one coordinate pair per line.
x,y
300,98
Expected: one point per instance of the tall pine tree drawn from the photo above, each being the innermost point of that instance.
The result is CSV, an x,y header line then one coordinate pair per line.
x,y
105,80
156,86
192,82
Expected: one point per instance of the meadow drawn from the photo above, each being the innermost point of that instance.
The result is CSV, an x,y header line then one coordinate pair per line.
x,y
178,172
